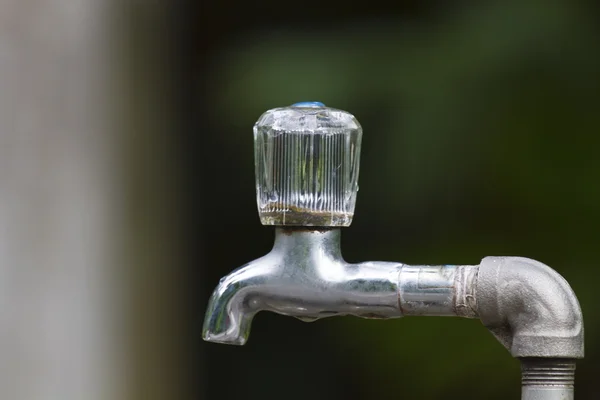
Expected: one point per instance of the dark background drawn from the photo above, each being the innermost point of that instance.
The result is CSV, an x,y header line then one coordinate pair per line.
x,y
481,135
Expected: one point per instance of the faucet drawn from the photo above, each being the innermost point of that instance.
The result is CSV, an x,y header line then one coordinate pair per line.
x,y
306,164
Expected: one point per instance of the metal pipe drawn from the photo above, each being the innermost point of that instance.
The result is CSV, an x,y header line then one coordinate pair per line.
x,y
529,307
547,378
535,314
305,276
446,290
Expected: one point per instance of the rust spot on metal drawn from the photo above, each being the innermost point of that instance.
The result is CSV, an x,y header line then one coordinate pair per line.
x,y
300,216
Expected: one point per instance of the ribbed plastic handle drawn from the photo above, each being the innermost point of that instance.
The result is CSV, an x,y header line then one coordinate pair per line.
x,y
307,162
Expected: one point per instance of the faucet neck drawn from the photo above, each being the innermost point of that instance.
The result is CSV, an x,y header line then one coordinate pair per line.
x,y
309,240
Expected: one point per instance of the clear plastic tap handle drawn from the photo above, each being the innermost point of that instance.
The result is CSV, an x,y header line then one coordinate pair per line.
x,y
307,162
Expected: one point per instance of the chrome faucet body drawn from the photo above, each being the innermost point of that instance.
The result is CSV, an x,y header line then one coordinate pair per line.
x,y
528,306
305,276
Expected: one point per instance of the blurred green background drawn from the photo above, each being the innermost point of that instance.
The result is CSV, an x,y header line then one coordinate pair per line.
x,y
481,133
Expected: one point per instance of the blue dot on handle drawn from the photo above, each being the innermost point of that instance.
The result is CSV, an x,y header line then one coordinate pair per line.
x,y
308,104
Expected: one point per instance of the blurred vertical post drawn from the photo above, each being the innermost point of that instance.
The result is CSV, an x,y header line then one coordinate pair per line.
x,y
90,264
152,114
58,192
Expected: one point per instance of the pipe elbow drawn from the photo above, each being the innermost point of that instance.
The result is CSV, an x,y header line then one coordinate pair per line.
x,y
530,308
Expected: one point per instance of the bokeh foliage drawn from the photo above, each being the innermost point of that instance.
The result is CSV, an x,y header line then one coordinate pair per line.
x,y
481,135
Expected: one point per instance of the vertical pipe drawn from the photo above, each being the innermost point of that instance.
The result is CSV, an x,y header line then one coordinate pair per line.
x,y
547,378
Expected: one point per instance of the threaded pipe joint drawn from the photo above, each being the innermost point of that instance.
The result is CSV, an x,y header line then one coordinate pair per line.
x,y
547,378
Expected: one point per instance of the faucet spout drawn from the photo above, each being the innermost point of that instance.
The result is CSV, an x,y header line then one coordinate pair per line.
x,y
305,276
233,304
306,164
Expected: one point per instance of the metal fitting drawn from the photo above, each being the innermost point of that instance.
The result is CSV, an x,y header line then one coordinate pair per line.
x,y
530,308
307,163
